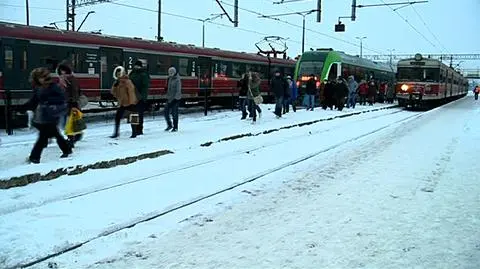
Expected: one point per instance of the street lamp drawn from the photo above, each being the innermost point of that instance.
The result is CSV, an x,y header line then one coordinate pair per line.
x,y
214,16
303,14
361,44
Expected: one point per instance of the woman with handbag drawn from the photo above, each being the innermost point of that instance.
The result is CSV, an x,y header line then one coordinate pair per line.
x,y
124,91
49,105
72,94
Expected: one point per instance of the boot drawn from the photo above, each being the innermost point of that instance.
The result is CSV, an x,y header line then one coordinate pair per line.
x,y
175,125
134,131
140,129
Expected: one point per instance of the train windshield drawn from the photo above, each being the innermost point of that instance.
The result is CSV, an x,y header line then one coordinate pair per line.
x,y
419,74
310,67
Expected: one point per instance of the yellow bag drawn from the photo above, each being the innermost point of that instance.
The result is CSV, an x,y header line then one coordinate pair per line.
x,y
74,116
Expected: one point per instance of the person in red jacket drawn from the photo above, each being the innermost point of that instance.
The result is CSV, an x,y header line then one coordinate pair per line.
x,y
363,92
476,91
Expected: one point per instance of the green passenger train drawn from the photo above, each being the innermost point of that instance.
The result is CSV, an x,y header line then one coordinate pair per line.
x,y
326,64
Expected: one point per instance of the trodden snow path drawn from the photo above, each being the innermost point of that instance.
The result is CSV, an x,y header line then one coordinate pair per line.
x,y
406,197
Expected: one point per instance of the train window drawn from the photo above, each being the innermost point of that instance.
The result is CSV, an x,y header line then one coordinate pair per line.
x,y
220,69
8,57
432,74
238,70
183,66
163,63
24,63
49,62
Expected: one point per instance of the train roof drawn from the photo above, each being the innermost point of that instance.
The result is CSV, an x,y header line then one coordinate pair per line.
x,y
56,35
349,59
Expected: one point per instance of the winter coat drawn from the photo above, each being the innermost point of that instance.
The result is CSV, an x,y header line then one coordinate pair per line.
x,y
363,88
243,85
329,90
48,104
279,87
311,87
141,80
372,88
340,91
352,85
390,92
254,85
293,89
124,91
72,90
174,88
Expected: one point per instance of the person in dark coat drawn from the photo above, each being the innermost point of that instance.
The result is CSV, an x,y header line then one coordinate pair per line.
x,y
242,94
174,94
72,94
372,91
279,87
49,105
141,80
341,93
328,94
311,91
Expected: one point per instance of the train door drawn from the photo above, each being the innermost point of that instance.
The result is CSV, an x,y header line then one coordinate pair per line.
x,y
15,70
109,59
204,71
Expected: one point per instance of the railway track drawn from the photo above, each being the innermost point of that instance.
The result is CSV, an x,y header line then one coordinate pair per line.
x,y
246,180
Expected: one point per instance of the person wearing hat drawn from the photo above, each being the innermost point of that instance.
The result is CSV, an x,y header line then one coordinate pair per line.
x,y
72,94
174,94
49,104
141,80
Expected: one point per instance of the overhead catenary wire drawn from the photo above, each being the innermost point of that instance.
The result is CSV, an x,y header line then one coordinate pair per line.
x,y
356,45
197,20
429,30
301,27
411,25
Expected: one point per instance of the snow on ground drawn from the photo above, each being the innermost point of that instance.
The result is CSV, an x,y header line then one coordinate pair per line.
x,y
193,131
405,197
67,222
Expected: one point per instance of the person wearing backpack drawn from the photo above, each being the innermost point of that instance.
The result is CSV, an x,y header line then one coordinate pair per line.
x,y
49,105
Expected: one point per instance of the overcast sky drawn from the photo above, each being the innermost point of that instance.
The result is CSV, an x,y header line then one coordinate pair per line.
x,y
439,26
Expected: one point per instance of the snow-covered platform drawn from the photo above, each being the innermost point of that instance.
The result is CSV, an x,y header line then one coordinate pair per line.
x,y
195,129
386,189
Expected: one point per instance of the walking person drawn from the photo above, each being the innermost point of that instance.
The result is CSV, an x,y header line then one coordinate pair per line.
x,y
49,104
390,94
141,80
311,89
242,94
174,94
352,92
278,86
124,91
72,94
254,96
476,91
293,93
363,92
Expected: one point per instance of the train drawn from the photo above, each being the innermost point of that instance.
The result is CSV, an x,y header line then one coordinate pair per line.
x,y
425,82
326,63
208,72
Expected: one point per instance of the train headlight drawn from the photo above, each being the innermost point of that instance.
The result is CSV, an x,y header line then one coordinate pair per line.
x,y
404,87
